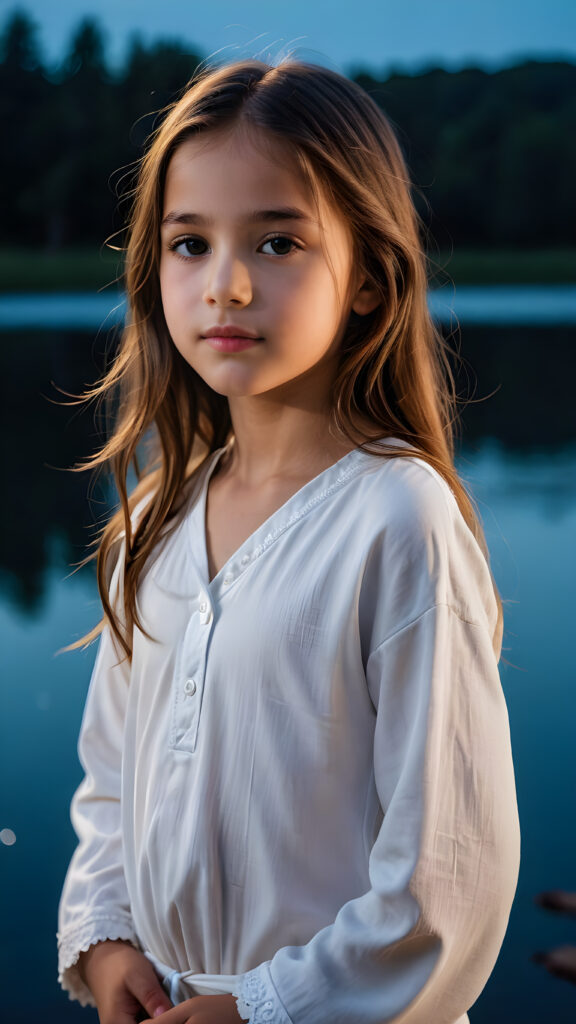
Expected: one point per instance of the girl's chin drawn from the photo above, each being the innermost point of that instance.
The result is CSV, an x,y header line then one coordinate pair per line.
x,y
233,389
236,382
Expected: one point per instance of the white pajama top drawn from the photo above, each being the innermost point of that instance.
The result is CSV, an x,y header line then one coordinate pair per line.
x,y
301,789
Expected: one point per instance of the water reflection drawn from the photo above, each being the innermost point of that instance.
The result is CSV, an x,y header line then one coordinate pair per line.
x,y
528,374
41,702
544,478
41,438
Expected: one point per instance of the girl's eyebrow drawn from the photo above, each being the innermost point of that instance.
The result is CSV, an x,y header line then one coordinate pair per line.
x,y
257,216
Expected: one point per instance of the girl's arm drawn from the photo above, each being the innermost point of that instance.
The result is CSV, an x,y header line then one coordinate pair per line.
x,y
421,943
94,905
98,961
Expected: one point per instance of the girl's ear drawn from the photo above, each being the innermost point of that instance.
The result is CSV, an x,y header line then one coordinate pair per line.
x,y
366,299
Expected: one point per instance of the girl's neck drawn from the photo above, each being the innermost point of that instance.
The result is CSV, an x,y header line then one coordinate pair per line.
x,y
273,440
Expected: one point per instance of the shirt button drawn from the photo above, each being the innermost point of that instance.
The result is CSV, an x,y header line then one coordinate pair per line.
x,y
228,580
203,606
245,560
190,687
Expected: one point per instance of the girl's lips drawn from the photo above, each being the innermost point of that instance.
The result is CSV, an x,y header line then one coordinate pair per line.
x,y
230,338
227,343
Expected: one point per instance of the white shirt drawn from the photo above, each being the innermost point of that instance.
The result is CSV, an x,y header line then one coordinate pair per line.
x,y
301,790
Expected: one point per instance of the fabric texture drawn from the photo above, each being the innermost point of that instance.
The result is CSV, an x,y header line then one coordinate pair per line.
x,y
303,783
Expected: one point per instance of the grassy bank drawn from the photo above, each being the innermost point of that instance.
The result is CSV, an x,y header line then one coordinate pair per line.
x,y
23,270
64,270
501,266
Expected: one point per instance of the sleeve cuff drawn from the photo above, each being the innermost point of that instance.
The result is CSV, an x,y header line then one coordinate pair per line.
x,y
75,941
257,999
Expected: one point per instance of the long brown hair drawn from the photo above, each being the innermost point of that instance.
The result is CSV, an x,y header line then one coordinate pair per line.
x,y
394,377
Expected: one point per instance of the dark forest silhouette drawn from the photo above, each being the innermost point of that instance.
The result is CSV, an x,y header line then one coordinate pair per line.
x,y
493,154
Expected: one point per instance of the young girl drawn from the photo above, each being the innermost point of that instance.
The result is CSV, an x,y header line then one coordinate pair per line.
x,y
299,802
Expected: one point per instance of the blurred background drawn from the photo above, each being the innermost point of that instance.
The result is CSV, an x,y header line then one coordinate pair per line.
x,y
484,99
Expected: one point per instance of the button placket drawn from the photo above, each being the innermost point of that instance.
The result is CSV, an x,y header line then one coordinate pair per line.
x,y
190,670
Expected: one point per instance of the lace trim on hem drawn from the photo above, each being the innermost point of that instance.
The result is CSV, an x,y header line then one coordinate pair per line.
x,y
77,941
257,1000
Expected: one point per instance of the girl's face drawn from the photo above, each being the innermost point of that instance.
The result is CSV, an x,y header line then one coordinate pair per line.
x,y
256,278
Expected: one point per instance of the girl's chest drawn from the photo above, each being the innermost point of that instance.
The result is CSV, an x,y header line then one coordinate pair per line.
x,y
279,624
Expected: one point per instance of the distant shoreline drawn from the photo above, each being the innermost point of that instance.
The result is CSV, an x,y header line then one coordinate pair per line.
x,y
504,305
23,270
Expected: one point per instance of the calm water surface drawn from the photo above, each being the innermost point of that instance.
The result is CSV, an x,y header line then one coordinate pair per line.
x,y
477,304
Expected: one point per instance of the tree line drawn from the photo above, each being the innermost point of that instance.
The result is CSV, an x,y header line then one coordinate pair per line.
x,y
492,154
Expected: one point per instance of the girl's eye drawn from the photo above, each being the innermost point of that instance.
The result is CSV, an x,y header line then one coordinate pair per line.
x,y
189,247
278,246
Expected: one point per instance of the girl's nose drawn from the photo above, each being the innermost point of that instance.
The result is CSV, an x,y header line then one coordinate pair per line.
x,y
228,283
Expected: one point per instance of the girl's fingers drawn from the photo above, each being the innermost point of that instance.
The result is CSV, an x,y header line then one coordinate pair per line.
x,y
144,984
176,1015
123,982
202,1010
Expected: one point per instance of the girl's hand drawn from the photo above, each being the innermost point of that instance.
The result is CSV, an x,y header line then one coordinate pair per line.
x,y
123,983
202,1010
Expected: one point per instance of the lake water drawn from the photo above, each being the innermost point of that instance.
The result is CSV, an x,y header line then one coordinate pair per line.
x,y
497,304
526,487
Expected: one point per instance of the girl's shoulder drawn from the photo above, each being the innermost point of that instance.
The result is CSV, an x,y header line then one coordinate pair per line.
x,y
420,541
406,491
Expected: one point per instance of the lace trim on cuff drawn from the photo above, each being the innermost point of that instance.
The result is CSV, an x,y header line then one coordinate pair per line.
x,y
77,940
257,999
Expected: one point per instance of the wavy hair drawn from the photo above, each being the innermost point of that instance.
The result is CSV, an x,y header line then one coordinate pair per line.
x,y
394,377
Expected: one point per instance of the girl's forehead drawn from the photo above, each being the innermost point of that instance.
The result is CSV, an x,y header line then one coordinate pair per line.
x,y
239,137
256,154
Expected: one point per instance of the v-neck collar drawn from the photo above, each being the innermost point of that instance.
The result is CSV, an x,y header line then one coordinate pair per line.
x,y
297,505
173,571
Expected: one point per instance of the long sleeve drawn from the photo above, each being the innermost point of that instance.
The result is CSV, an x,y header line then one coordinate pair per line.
x,y
94,905
419,946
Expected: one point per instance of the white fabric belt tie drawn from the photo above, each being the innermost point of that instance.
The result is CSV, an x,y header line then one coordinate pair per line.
x,y
207,984
198,984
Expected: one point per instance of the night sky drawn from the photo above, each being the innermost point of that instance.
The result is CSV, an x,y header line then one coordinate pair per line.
x,y
409,35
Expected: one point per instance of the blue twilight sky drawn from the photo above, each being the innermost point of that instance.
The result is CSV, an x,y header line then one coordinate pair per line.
x,y
408,34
